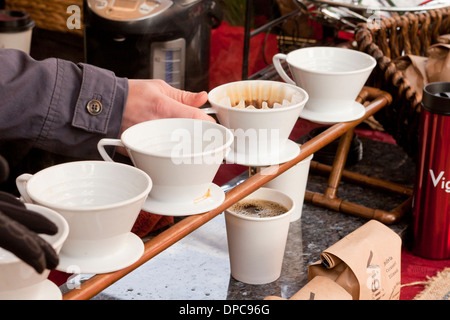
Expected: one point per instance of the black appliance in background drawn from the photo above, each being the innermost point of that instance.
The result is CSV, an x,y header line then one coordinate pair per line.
x,y
152,39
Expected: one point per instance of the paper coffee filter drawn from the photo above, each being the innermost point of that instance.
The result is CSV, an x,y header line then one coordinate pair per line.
x,y
268,93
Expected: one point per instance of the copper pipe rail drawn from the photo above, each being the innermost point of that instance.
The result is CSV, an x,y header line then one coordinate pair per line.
x,y
363,180
167,238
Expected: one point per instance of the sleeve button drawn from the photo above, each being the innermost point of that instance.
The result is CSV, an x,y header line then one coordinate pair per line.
x,y
94,107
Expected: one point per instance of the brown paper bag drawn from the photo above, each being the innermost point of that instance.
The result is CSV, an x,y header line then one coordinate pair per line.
x,y
414,70
319,288
366,263
438,64
445,38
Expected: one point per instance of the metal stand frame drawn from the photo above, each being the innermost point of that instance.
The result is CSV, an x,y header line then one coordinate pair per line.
x,y
330,200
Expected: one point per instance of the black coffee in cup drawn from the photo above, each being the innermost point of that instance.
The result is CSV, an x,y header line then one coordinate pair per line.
x,y
258,208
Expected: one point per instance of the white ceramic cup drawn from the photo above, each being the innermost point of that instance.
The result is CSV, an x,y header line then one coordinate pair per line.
x,y
256,245
100,201
20,281
259,133
332,76
182,156
293,183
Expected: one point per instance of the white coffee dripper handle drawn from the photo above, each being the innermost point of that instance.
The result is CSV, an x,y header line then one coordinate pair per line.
x,y
108,142
21,183
277,64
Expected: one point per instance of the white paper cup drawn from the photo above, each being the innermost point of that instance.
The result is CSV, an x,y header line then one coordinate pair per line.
x,y
100,201
259,134
293,183
16,29
182,156
256,245
332,76
20,281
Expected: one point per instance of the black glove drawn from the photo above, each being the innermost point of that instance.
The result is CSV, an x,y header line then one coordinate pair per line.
x,y
19,228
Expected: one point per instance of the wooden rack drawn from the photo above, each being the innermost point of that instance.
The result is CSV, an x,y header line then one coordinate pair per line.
x,y
377,99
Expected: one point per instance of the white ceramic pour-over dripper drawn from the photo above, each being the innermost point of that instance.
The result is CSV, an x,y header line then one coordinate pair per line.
x,y
18,280
100,201
182,156
333,78
261,136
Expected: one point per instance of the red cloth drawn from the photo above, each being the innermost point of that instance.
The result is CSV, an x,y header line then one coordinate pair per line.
x,y
58,277
147,222
417,269
227,49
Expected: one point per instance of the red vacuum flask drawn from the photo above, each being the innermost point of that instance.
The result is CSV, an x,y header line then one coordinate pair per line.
x,y
431,204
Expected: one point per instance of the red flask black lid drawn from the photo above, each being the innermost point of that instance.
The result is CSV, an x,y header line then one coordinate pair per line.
x,y
436,97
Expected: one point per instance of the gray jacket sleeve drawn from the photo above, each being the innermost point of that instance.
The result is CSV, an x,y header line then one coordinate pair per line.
x,y
46,103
